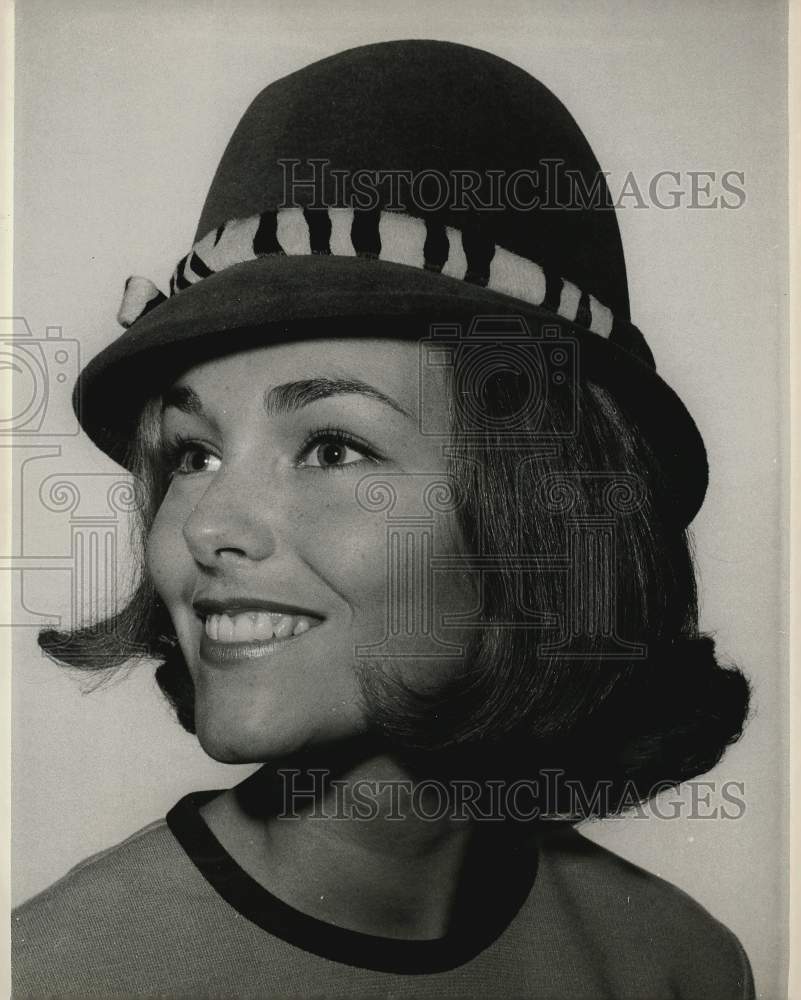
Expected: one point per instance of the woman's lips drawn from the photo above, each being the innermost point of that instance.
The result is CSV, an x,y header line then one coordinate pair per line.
x,y
254,626
248,635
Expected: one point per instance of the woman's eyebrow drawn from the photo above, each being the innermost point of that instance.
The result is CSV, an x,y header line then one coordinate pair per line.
x,y
183,398
291,396
287,397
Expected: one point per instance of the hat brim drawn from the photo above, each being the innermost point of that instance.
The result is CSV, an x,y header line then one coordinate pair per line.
x,y
279,298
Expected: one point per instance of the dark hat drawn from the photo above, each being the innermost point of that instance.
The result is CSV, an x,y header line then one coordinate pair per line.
x,y
378,191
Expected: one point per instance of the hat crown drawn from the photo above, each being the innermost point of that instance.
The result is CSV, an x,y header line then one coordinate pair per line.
x,y
419,108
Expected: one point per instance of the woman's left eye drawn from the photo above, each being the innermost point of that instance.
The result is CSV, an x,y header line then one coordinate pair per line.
x,y
333,451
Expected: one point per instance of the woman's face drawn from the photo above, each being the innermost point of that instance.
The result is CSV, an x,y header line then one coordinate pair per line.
x,y
273,568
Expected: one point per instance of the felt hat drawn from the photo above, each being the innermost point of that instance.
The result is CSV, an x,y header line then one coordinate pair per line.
x,y
381,190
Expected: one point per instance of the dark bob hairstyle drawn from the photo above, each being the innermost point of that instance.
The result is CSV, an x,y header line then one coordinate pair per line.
x,y
588,659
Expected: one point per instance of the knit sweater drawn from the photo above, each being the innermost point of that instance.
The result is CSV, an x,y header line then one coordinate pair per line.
x,y
168,913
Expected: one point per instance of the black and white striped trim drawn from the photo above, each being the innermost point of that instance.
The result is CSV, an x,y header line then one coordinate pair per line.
x,y
386,236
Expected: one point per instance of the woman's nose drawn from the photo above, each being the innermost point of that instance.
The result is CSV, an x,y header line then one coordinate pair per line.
x,y
229,522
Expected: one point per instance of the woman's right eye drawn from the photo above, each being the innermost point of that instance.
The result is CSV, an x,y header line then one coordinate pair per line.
x,y
191,458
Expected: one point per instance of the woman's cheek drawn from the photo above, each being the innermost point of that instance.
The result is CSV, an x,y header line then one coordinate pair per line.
x,y
347,546
166,553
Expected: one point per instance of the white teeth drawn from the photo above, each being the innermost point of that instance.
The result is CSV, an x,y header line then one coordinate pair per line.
x,y
263,628
243,628
255,626
283,627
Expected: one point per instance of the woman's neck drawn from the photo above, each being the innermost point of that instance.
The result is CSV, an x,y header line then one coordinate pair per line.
x,y
367,846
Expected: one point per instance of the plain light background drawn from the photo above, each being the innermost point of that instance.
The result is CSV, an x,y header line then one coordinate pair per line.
x,y
122,112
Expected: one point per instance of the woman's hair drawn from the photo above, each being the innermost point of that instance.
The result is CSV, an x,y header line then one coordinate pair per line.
x,y
588,662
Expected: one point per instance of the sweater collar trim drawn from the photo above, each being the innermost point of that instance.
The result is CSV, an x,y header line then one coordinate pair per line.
x,y
489,904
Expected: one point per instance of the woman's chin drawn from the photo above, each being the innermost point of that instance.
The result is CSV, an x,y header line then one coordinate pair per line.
x,y
241,737
234,732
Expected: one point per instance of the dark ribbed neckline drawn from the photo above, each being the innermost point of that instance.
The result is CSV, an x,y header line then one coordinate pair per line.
x,y
485,909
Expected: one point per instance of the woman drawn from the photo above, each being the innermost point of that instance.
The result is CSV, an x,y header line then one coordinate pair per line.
x,y
415,506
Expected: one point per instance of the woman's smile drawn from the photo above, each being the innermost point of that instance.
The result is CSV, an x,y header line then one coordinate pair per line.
x,y
254,626
248,637
246,627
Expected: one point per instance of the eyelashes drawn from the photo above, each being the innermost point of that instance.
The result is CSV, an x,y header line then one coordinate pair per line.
x,y
328,447
317,439
173,455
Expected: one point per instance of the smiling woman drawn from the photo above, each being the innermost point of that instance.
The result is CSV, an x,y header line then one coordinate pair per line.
x,y
413,504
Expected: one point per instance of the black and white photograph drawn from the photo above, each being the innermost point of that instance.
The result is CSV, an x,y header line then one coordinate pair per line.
x,y
399,451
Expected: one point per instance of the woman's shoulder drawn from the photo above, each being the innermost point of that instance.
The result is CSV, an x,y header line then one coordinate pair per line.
x,y
639,918
113,904
600,876
104,877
